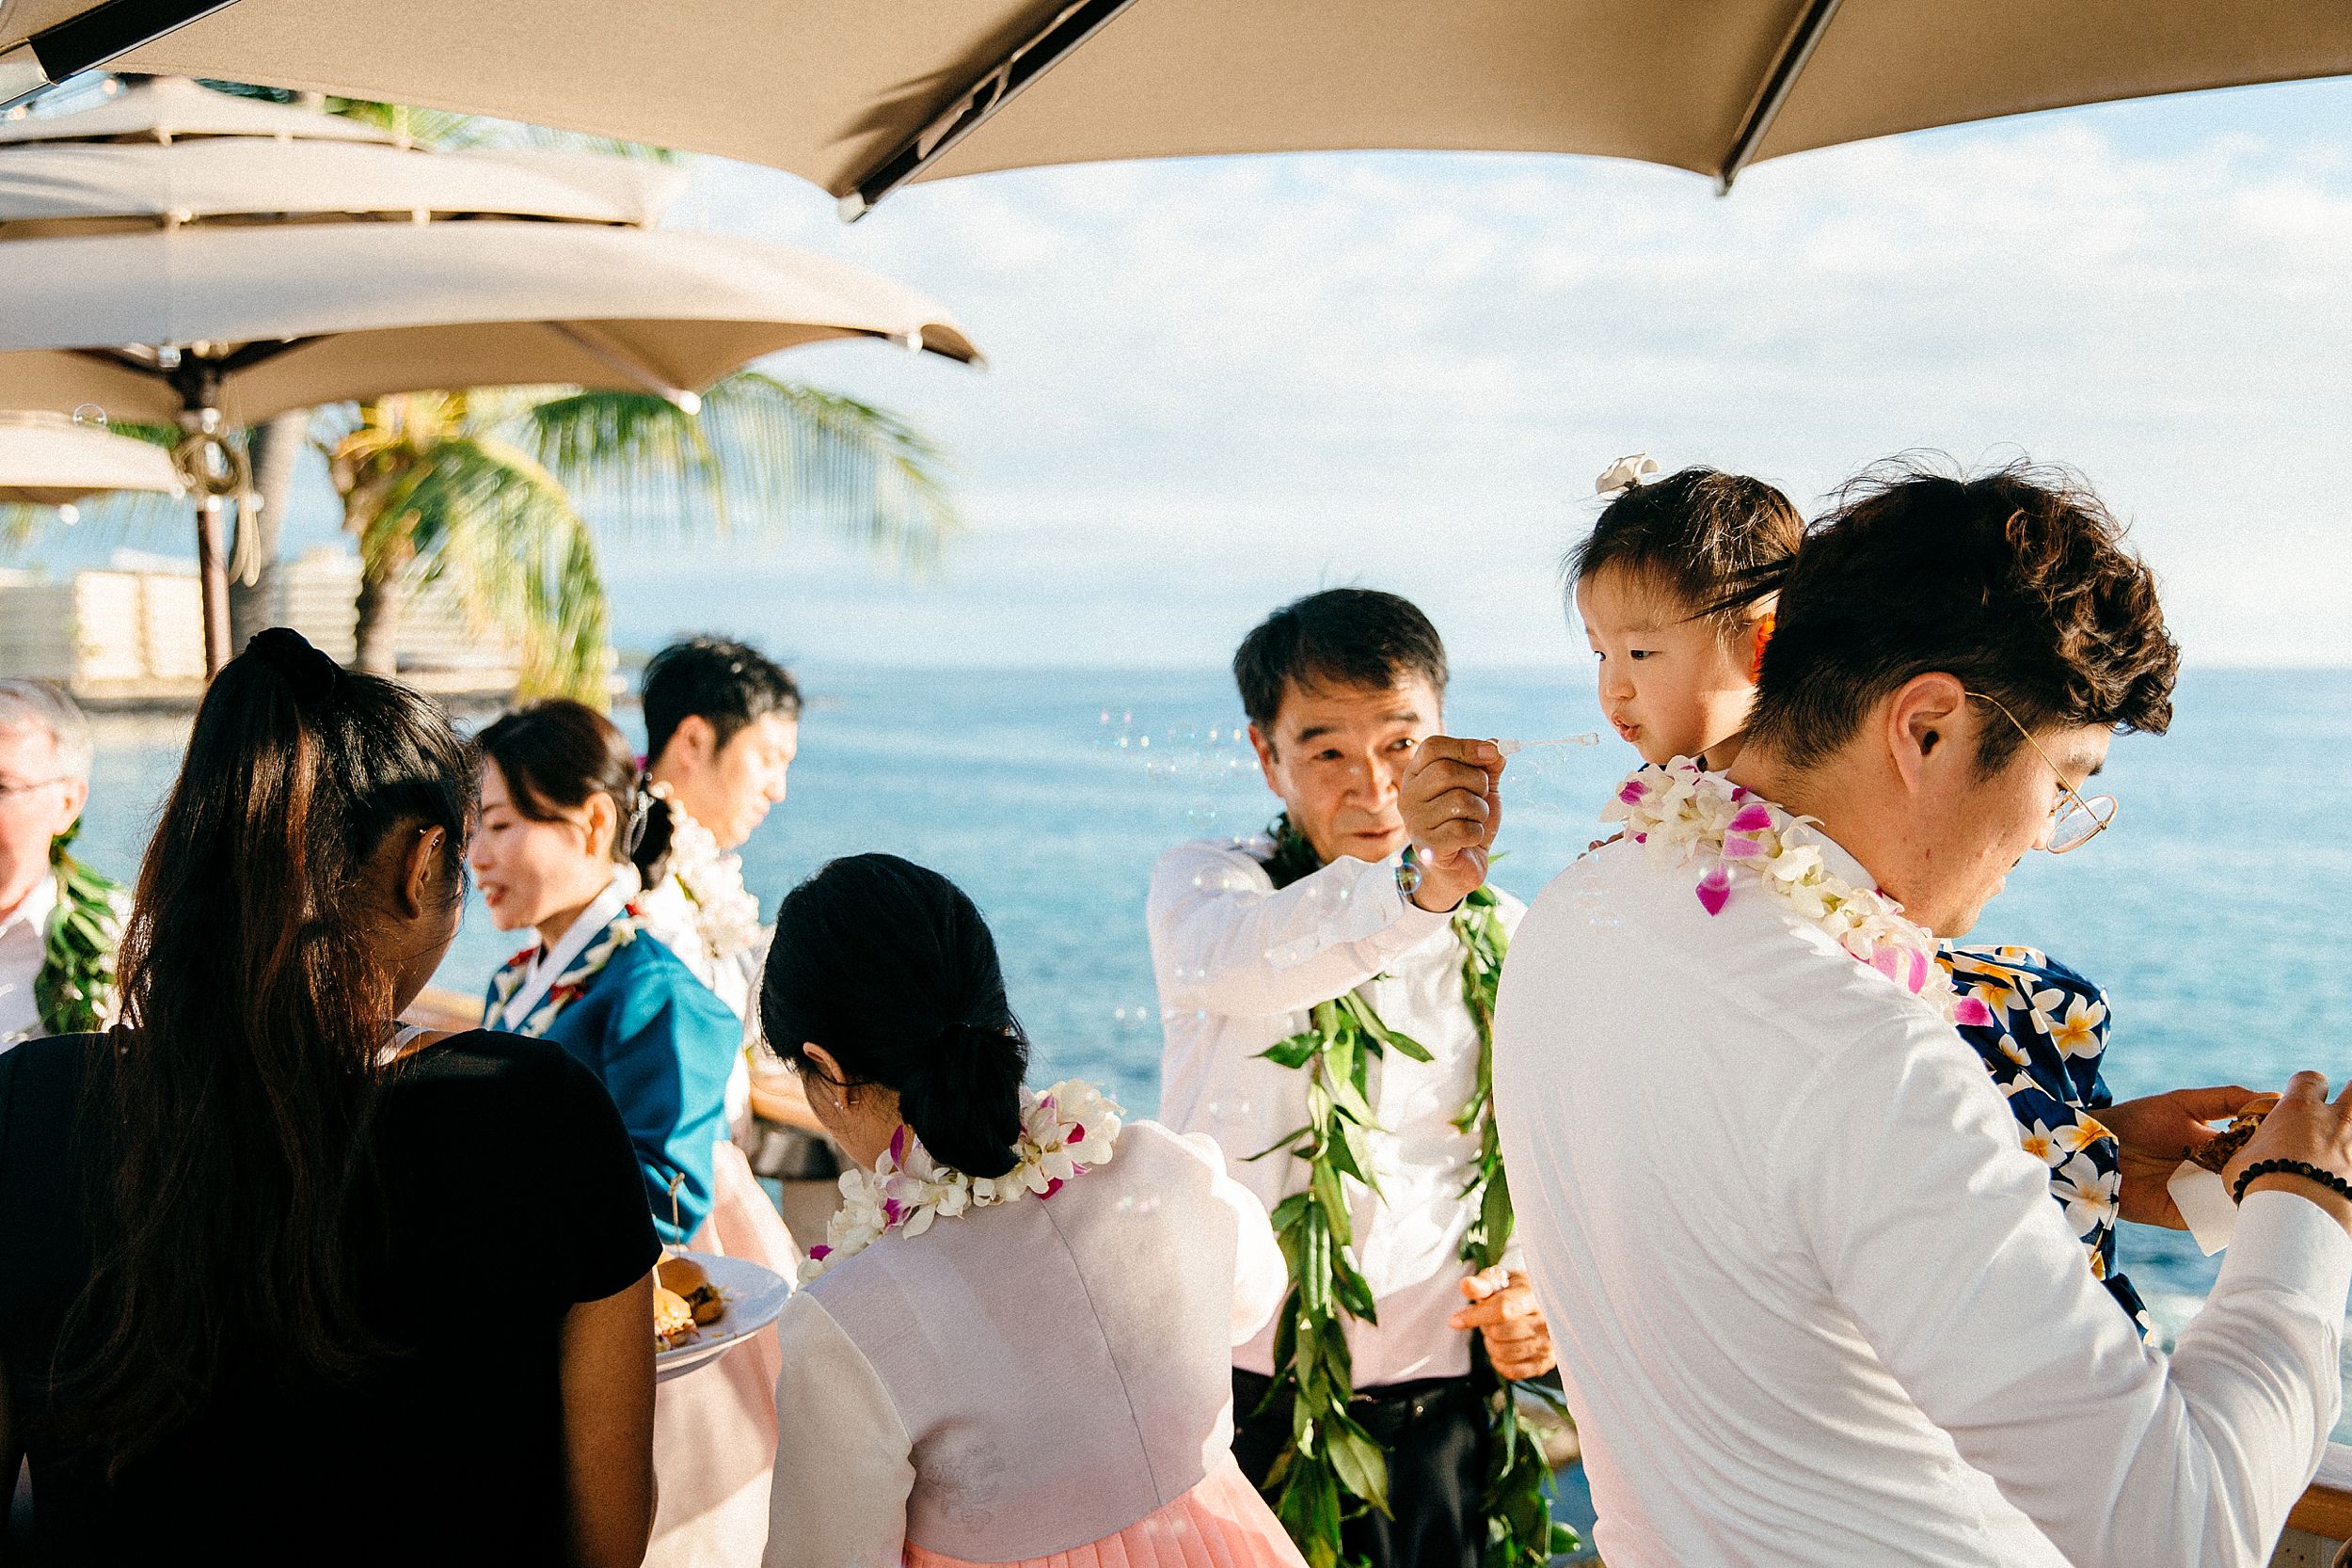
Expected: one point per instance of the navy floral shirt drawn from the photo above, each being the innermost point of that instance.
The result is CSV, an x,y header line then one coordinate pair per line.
x,y
2049,1031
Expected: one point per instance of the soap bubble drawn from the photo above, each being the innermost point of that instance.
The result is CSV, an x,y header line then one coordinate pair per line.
x,y
90,416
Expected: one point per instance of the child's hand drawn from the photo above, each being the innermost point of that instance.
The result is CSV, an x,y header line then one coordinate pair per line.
x,y
1453,804
1504,1310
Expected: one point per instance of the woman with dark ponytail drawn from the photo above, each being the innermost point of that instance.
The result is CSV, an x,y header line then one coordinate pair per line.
x,y
1015,1345
249,1310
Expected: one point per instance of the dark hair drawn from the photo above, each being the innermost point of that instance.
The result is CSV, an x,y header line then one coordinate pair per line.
x,y
2016,582
891,969
243,1081
1713,542
556,753
1339,637
729,684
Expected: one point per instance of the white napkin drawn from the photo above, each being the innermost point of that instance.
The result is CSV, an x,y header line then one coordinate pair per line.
x,y
2206,1204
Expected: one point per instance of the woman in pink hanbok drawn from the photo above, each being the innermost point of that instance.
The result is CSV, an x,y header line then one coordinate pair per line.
x,y
1015,1346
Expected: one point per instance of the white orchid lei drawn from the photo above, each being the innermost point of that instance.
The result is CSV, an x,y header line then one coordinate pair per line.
x,y
1065,1132
726,916
1683,815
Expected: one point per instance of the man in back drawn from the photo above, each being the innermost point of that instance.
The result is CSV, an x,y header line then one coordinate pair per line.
x,y
1820,1307
59,921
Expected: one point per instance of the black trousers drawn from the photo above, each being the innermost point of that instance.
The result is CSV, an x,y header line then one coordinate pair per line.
x,y
1435,1432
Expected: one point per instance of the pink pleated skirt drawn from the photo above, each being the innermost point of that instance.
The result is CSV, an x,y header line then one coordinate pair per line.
x,y
1221,1523
714,1430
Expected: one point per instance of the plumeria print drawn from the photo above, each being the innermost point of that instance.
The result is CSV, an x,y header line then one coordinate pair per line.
x,y
1683,815
2042,1048
1065,1132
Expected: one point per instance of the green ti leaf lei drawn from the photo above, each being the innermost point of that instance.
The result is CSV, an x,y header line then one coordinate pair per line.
x,y
74,991
1333,1469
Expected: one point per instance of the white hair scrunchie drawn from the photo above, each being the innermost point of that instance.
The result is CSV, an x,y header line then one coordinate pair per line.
x,y
1625,473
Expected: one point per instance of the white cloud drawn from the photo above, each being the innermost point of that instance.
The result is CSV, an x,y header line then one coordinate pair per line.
x,y
1219,384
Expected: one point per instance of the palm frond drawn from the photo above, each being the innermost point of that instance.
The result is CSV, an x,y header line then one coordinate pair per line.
x,y
497,529
777,454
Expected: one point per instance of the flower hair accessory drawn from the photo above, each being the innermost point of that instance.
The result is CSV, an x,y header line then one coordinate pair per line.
x,y
1683,816
1625,474
1065,1132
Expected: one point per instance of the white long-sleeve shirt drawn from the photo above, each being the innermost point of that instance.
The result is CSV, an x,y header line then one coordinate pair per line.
x,y
1812,1301
23,948
1239,965
1023,1380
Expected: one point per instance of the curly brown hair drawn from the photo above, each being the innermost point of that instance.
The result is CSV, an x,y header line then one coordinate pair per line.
x,y
1713,543
2015,581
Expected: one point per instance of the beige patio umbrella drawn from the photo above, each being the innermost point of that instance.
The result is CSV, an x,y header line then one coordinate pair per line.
x,y
48,460
860,96
213,289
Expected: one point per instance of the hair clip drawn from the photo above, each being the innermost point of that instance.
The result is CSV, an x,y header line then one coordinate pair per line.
x,y
1625,474
640,806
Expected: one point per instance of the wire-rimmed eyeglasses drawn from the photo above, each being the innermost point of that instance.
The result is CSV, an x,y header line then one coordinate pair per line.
x,y
2075,820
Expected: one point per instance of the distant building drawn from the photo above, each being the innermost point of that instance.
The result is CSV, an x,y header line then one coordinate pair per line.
x,y
131,634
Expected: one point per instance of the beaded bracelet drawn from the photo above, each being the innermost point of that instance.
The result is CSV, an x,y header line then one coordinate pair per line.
x,y
2303,1169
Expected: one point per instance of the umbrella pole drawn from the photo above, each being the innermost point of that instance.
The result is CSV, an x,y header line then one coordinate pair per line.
x,y
213,572
199,417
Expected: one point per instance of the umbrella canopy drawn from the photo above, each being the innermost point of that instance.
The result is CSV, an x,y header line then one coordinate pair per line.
x,y
75,187
858,97
221,277
167,151
48,460
293,316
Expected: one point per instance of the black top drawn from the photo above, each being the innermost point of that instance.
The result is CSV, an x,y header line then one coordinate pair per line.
x,y
510,1193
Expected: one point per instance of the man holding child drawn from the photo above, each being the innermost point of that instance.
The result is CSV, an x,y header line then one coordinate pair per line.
x,y
1820,1306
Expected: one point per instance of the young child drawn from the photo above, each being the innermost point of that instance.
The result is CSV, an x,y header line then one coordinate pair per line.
x,y
1675,586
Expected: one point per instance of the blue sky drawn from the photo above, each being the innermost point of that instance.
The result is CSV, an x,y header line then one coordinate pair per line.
x,y
1219,384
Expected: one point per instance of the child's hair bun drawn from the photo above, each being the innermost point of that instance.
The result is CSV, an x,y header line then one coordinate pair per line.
x,y
1625,473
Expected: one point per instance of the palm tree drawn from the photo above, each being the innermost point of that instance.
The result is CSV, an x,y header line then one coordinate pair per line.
x,y
475,490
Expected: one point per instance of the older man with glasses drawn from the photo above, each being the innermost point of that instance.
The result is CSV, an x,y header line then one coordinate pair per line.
x,y
59,921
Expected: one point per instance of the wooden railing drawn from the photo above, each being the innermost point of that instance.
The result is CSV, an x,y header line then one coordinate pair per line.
x,y
2326,1511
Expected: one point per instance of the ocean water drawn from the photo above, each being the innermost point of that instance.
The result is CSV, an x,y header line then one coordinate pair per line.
x,y
2208,910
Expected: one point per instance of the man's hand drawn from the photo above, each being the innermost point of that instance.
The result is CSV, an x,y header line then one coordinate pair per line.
x,y
2156,1133
1502,1308
2304,1124
1453,804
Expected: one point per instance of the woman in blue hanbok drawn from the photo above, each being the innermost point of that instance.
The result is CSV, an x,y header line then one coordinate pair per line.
x,y
559,798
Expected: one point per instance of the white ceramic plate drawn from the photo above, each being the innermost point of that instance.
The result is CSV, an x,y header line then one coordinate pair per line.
x,y
754,1296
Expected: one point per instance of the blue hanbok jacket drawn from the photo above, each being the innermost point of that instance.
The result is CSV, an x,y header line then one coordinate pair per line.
x,y
662,1042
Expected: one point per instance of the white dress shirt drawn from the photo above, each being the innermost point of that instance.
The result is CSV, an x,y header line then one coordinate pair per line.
x,y
1812,1301
23,943
1023,1380
1239,965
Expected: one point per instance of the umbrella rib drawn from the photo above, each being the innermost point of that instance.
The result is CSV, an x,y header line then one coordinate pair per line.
x,y
1787,65
996,86
615,358
89,38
